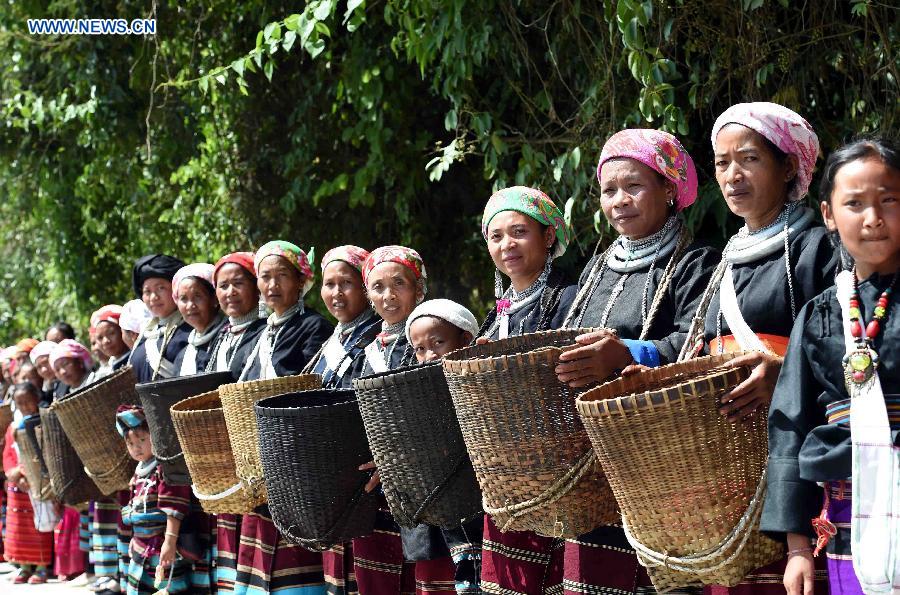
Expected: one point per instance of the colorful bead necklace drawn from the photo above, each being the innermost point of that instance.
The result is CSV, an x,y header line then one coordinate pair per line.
x,y
861,363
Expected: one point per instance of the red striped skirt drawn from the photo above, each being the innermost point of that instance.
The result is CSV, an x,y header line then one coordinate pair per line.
x,y
23,543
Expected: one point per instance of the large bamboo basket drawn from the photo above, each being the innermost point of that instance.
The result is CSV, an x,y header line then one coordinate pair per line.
x,y
237,403
89,418
690,484
530,451
70,482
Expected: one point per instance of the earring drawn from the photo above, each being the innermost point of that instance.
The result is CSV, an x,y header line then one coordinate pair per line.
x,y
671,203
498,284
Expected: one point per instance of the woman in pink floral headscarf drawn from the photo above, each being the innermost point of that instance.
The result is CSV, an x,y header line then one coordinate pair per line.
x,y
780,259
644,288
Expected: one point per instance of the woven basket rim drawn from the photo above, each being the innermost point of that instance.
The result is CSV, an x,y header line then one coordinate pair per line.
x,y
177,380
456,361
268,411
115,376
379,379
181,407
591,404
249,385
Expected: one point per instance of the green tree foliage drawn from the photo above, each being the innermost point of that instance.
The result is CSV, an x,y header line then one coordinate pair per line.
x,y
378,121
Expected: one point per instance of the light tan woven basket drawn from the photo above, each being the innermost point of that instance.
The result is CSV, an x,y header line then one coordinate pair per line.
x,y
689,483
88,417
200,426
32,465
529,449
237,403
6,417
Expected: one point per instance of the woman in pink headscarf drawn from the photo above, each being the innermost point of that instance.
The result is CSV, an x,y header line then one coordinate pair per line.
x,y
644,289
779,260
72,363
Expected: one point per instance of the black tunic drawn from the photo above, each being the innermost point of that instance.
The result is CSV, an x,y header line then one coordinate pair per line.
x,y
204,353
237,354
174,347
670,326
355,345
296,344
546,313
803,447
762,286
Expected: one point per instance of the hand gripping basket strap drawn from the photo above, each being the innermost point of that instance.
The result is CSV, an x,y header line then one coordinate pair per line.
x,y
553,493
219,496
255,485
322,543
710,560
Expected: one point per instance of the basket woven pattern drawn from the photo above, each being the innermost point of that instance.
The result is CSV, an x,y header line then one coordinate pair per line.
x,y
664,424
200,425
88,417
67,476
30,457
6,416
531,454
312,444
238,399
418,447
157,399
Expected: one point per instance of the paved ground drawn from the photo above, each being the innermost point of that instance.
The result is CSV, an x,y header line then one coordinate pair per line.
x,y
51,588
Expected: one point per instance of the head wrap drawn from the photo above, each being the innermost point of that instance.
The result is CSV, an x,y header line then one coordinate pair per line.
x,y
129,417
135,316
448,310
9,353
71,348
152,266
661,152
242,259
200,270
26,345
784,128
293,254
399,254
352,255
109,313
41,349
530,202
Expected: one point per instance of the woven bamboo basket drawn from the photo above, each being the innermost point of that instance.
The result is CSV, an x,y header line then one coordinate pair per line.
x,y
88,416
28,440
237,402
157,399
690,484
414,435
6,417
200,425
531,454
70,482
312,444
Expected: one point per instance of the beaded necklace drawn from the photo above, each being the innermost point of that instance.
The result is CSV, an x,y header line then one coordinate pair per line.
x,y
861,363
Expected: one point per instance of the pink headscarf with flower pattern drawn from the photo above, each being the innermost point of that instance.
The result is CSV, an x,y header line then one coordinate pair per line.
x,y
293,254
352,255
399,254
784,128
73,349
661,152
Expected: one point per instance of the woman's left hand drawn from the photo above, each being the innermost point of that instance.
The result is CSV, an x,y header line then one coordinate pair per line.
x,y
375,480
167,552
756,391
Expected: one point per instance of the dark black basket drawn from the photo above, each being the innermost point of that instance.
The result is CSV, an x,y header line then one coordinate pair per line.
x,y
70,483
157,399
418,447
311,445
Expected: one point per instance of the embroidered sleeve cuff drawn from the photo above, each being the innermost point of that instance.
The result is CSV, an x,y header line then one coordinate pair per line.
x,y
643,352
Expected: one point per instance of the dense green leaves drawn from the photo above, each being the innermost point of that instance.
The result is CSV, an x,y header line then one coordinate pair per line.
x,y
376,121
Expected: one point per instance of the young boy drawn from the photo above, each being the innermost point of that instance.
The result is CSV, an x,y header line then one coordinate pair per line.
x,y
154,511
437,327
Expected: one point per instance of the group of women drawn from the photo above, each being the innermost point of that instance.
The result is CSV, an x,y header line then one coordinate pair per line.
x,y
655,296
